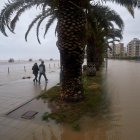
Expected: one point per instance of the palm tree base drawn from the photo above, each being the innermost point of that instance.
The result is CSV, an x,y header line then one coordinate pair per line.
x,y
72,90
72,98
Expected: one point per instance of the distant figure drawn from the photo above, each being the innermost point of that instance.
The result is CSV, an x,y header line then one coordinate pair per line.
x,y
35,71
42,71
24,69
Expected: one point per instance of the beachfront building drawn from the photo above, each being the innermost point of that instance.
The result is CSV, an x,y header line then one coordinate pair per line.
x,y
109,52
133,48
117,51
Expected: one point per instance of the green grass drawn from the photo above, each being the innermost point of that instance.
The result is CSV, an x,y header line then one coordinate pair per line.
x,y
71,113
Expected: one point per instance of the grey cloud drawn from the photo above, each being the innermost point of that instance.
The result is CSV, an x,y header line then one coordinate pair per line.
x,y
16,46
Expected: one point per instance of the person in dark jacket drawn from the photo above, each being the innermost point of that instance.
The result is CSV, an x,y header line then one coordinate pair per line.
x,y
42,71
35,71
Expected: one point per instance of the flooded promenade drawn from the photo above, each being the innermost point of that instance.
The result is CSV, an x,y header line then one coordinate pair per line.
x,y
10,72
120,121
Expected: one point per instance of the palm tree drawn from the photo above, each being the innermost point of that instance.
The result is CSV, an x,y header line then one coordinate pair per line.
x,y
71,44
71,34
100,29
100,26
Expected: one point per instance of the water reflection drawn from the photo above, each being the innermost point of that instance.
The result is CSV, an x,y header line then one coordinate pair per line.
x,y
41,87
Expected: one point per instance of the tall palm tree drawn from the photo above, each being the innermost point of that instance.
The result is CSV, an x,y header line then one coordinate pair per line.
x,y
71,34
100,26
71,44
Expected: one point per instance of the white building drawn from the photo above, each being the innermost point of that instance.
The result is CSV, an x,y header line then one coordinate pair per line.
x,y
133,48
117,51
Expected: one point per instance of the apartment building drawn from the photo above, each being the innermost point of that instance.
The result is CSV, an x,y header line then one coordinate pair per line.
x,y
118,50
133,48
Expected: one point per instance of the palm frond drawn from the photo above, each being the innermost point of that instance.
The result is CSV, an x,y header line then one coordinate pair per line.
x,y
104,13
7,12
130,10
50,21
128,4
2,23
39,17
115,33
11,7
32,24
45,15
37,29
114,17
18,14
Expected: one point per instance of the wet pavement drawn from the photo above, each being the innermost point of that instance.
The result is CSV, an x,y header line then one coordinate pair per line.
x,y
14,95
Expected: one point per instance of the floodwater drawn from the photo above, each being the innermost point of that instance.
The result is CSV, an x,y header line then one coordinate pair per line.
x,y
120,121
123,88
16,71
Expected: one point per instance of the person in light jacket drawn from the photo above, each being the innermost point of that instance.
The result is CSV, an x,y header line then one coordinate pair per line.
x,y
42,71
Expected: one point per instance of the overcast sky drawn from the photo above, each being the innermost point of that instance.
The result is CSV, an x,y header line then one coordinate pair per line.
x,y
15,46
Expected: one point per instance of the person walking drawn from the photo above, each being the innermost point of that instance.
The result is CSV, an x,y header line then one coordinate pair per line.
x,y
42,71
35,71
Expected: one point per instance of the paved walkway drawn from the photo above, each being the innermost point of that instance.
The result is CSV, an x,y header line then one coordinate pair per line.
x,y
14,95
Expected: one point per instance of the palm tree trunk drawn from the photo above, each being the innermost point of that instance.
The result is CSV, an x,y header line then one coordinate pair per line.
x,y
71,44
91,59
99,57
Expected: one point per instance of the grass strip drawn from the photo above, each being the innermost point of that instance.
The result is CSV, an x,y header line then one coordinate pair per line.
x,y
71,113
